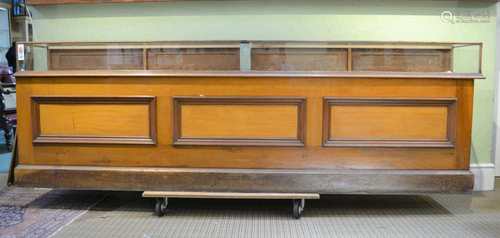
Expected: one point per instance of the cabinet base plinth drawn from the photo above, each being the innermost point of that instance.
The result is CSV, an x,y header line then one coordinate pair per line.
x,y
246,180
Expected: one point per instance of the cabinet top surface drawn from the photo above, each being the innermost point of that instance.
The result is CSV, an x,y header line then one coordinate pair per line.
x,y
249,74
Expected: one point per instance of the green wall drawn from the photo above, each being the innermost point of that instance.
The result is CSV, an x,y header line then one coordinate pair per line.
x,y
395,20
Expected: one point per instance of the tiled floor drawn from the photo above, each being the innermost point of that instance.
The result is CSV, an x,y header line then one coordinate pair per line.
x,y
126,215
41,213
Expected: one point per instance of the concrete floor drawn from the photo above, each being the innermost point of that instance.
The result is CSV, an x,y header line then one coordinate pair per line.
x,y
60,213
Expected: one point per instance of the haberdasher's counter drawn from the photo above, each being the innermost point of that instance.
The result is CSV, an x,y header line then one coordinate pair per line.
x,y
245,131
260,133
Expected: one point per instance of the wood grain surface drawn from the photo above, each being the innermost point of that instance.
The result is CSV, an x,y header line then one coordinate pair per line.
x,y
311,156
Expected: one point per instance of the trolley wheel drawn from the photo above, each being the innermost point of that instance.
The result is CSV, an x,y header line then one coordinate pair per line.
x,y
298,208
161,207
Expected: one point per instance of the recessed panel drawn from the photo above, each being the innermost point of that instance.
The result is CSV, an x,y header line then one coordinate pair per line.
x,y
239,121
93,120
358,122
389,122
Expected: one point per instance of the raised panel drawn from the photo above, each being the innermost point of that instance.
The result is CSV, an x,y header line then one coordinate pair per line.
x,y
244,121
401,60
299,59
109,120
95,59
389,122
194,59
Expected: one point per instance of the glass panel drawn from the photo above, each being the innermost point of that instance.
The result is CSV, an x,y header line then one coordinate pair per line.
x,y
466,58
401,60
95,59
254,56
299,59
194,59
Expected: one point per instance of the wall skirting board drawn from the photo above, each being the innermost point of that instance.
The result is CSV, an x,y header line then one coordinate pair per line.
x,y
484,176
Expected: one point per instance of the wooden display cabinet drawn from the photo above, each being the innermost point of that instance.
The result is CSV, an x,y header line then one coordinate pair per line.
x,y
309,117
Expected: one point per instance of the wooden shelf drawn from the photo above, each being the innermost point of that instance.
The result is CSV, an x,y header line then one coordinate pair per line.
x,y
228,195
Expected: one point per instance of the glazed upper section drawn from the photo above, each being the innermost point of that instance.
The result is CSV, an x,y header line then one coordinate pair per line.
x,y
254,58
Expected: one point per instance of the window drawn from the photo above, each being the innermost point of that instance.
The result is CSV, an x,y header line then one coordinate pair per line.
x,y
4,34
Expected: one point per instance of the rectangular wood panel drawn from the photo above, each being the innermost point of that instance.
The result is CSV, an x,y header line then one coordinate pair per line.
x,y
110,120
401,60
299,59
310,156
255,121
248,121
389,122
95,59
194,59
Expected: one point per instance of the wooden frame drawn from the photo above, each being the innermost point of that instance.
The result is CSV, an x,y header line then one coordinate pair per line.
x,y
228,195
300,102
451,103
38,138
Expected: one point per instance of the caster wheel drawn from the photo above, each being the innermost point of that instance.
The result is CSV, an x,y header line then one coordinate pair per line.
x,y
161,207
298,208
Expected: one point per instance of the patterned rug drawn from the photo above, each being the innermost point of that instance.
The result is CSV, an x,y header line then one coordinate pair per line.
x,y
10,216
28,212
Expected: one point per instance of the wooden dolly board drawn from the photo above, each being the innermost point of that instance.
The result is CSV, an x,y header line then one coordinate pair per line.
x,y
162,198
